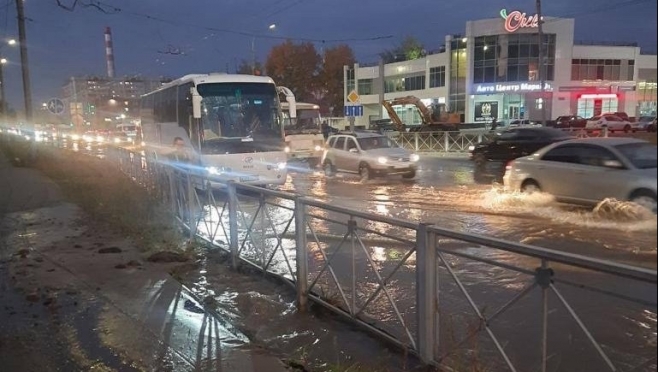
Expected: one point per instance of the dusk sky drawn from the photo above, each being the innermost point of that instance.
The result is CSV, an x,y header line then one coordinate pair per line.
x,y
65,43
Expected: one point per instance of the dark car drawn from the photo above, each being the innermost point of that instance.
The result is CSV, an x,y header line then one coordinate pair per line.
x,y
619,114
570,121
490,157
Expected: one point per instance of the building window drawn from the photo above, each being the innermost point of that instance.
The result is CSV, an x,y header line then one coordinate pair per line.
x,y
458,67
350,80
438,77
601,69
365,86
405,83
511,58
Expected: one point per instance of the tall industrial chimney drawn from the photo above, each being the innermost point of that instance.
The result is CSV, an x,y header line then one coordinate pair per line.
x,y
109,52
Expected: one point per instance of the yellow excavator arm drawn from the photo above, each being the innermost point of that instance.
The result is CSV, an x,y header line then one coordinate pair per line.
x,y
427,119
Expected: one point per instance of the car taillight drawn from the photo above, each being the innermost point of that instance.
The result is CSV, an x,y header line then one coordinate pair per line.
x,y
509,166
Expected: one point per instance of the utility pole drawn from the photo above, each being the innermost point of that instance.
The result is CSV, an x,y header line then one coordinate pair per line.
x,y
27,92
542,64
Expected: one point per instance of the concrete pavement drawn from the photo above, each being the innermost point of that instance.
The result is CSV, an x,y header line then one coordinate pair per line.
x,y
75,296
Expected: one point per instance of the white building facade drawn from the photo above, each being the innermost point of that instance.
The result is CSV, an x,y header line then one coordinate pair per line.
x,y
492,71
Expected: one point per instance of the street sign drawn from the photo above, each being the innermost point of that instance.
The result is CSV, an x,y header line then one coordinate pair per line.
x,y
353,111
353,97
56,106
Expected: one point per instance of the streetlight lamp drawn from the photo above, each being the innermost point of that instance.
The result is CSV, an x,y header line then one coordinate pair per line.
x,y
271,27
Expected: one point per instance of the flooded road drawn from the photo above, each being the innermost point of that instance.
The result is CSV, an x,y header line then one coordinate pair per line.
x,y
445,194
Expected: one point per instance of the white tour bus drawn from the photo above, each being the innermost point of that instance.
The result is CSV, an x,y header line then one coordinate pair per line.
x,y
303,130
129,130
232,126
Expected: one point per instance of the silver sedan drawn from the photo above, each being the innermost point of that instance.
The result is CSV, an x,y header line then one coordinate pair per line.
x,y
587,171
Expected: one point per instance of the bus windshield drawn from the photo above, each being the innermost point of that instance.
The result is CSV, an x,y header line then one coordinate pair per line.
x,y
235,113
308,120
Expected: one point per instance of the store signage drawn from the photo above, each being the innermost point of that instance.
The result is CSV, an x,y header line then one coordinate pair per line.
x,y
486,111
493,88
517,20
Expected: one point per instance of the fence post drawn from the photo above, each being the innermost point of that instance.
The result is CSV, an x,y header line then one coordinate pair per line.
x,y
173,192
302,255
191,199
426,293
233,223
446,141
416,141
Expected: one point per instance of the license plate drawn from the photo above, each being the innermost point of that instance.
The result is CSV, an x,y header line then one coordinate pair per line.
x,y
248,178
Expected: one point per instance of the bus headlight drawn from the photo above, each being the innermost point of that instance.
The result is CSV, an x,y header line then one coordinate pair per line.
x,y
282,166
382,160
414,157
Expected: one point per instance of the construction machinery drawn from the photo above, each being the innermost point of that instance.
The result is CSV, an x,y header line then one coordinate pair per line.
x,y
436,119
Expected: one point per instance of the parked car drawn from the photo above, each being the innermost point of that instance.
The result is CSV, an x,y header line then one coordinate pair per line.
x,y
647,123
490,157
587,171
612,122
522,123
619,114
570,121
368,154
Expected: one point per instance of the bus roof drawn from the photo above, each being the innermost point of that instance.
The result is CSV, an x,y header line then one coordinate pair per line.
x,y
301,106
219,77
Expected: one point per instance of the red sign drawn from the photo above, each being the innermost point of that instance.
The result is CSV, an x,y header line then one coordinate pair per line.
x,y
517,20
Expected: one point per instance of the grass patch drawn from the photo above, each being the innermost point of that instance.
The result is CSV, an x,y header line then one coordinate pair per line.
x,y
105,194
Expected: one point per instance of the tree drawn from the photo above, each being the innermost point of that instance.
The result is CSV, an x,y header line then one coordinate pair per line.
x,y
331,76
247,68
409,49
294,66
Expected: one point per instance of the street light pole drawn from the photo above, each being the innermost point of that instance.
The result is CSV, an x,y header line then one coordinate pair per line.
x,y
253,55
542,64
271,27
3,103
27,91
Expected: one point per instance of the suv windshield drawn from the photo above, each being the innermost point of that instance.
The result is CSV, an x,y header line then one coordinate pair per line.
x,y
642,155
372,143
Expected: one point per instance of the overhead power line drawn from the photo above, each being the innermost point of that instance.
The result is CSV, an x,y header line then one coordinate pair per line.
x,y
111,9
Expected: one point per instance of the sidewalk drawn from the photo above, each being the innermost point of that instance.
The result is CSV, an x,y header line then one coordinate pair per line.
x,y
76,298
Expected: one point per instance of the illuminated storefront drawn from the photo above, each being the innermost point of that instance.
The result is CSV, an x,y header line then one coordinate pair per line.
x,y
493,70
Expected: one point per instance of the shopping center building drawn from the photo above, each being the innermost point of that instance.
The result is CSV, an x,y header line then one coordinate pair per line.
x,y
493,71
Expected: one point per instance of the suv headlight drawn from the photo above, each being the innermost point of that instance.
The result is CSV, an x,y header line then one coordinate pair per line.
x,y
286,149
318,148
414,157
282,165
382,160
213,170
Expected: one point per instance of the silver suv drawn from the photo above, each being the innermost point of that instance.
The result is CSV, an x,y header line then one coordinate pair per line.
x,y
367,154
